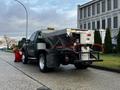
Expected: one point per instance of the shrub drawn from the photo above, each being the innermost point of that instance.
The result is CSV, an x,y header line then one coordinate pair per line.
x,y
118,42
98,41
108,42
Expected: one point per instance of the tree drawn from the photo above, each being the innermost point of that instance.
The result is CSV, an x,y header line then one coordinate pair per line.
x,y
118,42
1,42
108,42
8,41
98,41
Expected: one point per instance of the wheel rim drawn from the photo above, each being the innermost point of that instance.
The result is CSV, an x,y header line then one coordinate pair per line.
x,y
41,62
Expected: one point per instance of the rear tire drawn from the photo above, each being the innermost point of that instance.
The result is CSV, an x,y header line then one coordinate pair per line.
x,y
81,66
25,58
43,63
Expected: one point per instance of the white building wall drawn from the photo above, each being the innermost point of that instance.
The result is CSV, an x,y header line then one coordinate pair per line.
x,y
103,15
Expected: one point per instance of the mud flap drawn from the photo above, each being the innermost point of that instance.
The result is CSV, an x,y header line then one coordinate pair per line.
x,y
52,61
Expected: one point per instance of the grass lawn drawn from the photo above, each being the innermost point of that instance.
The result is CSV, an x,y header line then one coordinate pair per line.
x,y
110,61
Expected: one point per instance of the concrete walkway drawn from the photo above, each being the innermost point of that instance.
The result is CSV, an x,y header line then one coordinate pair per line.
x,y
13,79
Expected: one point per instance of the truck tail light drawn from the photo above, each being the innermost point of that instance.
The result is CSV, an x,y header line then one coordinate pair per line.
x,y
88,34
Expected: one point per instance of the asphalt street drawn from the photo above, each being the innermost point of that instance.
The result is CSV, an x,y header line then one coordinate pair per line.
x,y
17,76
13,79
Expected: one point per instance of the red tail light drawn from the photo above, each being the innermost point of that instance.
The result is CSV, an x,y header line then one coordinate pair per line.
x,y
88,34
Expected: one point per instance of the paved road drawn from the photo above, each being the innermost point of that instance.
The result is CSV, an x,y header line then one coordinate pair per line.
x,y
65,78
13,79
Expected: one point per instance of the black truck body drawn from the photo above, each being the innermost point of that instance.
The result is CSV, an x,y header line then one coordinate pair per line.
x,y
52,48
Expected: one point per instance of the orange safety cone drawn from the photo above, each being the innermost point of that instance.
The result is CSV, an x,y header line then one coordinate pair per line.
x,y
18,55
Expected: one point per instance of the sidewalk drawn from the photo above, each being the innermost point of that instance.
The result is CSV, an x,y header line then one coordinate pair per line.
x,y
13,79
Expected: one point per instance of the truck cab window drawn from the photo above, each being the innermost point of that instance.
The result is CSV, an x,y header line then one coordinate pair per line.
x,y
32,37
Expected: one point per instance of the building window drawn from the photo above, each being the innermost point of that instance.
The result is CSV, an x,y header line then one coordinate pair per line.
x,y
89,25
103,24
98,8
80,26
85,26
103,5
98,24
81,13
93,9
115,4
108,5
115,22
109,23
89,11
93,25
84,12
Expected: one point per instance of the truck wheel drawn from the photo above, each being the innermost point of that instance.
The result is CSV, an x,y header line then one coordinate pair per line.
x,y
24,58
81,66
42,63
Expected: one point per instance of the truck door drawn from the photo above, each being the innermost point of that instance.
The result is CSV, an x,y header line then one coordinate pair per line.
x,y
32,45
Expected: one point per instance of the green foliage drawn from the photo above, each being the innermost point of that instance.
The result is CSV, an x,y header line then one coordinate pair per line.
x,y
21,42
97,38
118,42
110,61
98,41
108,42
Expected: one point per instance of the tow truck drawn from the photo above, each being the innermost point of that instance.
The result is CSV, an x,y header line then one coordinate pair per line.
x,y
51,48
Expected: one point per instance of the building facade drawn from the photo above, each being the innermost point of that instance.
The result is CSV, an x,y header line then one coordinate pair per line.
x,y
100,14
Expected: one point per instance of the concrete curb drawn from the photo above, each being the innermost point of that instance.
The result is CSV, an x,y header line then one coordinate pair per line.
x,y
105,68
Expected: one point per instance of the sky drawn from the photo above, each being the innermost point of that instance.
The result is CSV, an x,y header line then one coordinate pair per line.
x,y
41,14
